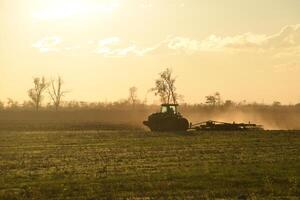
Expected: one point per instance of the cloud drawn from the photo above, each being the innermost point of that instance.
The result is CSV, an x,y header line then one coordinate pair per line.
x,y
215,43
48,44
287,39
285,43
115,47
109,41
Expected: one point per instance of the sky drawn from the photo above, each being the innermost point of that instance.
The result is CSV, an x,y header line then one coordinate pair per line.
x,y
244,49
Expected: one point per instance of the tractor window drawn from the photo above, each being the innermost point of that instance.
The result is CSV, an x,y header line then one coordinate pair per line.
x,y
164,109
171,109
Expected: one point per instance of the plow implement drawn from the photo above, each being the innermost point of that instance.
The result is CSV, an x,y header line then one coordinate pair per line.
x,y
224,126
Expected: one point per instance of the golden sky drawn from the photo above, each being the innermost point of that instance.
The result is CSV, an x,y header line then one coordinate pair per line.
x,y
245,49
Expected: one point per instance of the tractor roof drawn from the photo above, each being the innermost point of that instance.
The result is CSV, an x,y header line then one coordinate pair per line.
x,y
166,104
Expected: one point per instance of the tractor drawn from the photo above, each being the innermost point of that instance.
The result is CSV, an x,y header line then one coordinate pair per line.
x,y
168,119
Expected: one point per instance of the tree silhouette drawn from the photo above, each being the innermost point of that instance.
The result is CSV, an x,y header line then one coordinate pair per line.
x,y
55,92
165,87
276,103
133,99
214,100
1,105
36,93
12,104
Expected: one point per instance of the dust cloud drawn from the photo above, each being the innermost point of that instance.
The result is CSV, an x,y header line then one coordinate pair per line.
x,y
271,117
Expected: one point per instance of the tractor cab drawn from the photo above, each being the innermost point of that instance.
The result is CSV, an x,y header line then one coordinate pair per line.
x,y
169,108
168,119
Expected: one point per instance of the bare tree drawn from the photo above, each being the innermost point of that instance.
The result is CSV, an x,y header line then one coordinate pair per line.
x,y
276,103
229,103
133,99
218,98
160,90
165,87
214,100
55,92
36,93
145,101
12,104
211,100
1,105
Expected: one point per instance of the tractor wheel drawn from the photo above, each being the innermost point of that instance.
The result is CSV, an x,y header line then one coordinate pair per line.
x,y
183,124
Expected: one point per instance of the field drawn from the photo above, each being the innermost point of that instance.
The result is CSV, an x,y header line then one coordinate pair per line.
x,y
142,165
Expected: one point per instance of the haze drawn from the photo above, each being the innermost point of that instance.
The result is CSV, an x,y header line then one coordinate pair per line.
x,y
246,50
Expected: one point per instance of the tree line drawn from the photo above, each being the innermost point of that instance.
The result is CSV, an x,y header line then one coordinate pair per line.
x,y
164,88
54,88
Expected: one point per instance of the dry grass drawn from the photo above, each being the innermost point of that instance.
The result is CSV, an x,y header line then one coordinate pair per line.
x,y
143,165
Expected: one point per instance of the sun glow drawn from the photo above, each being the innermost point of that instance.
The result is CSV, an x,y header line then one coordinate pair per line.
x,y
56,10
